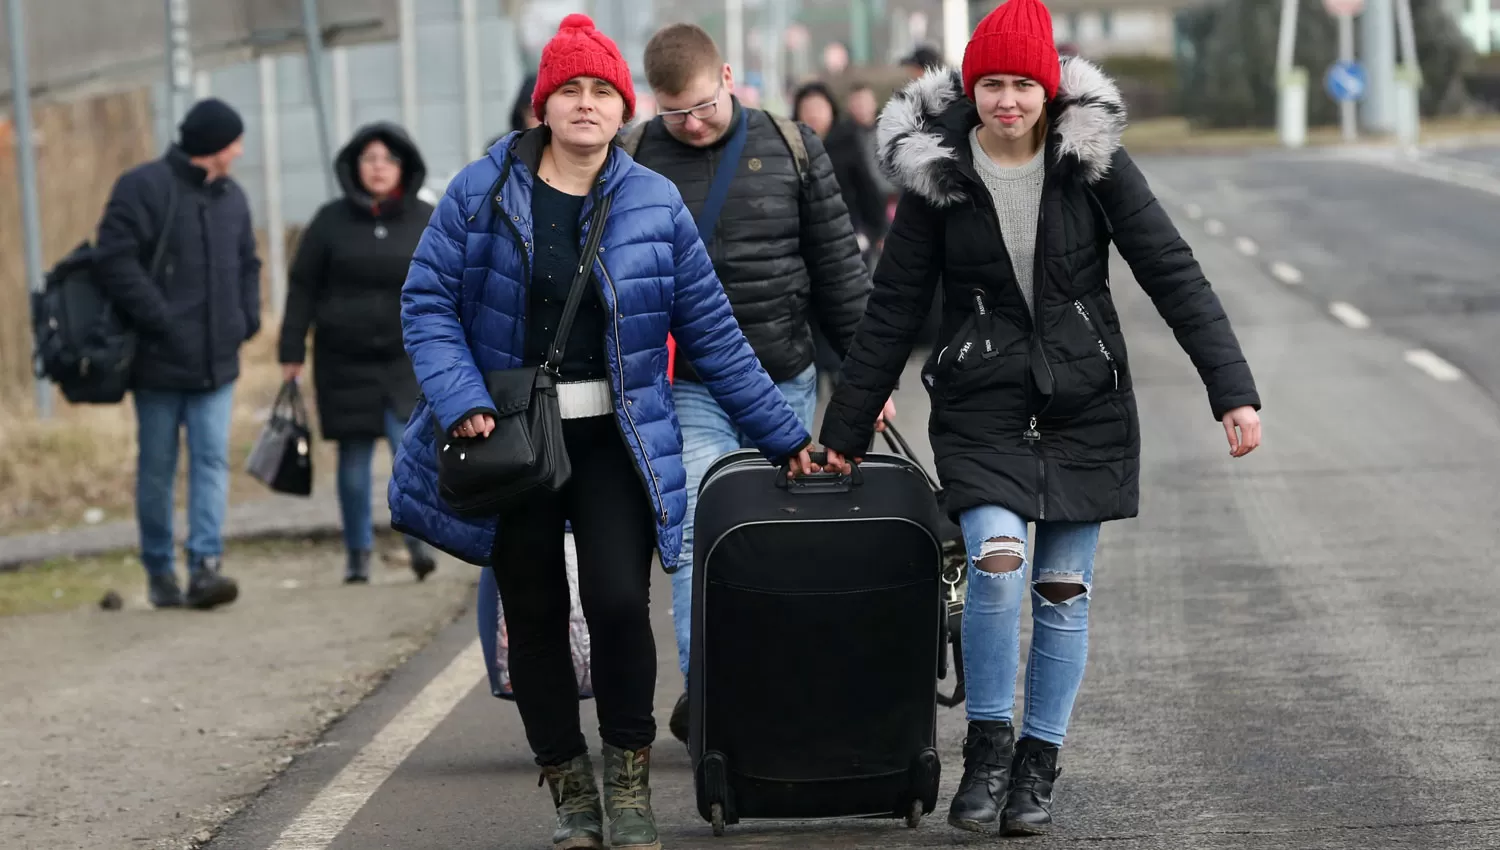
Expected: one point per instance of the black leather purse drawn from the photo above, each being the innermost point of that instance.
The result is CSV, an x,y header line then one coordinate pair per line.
x,y
481,476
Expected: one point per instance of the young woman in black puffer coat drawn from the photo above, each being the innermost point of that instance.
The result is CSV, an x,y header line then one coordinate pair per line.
x,y
1014,184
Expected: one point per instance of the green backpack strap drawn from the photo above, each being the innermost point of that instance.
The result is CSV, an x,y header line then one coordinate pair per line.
x,y
792,135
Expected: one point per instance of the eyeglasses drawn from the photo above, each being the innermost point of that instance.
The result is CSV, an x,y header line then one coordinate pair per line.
x,y
378,159
702,111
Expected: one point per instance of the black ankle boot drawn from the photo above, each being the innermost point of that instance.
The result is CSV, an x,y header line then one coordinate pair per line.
x,y
1028,805
981,793
357,567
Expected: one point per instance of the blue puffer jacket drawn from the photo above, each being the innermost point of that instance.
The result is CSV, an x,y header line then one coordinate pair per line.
x,y
463,314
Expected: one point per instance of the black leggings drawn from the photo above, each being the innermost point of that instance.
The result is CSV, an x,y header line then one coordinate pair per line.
x,y
614,530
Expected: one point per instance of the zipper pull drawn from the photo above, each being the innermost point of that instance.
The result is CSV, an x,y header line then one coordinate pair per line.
x,y
1031,434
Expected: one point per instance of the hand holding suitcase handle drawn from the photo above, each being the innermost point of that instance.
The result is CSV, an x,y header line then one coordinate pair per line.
x,y
829,480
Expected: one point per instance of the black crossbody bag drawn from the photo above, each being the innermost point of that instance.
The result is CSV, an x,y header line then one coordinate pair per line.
x,y
480,476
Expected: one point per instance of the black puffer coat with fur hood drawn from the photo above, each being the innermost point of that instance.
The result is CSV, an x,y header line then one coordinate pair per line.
x,y
1032,411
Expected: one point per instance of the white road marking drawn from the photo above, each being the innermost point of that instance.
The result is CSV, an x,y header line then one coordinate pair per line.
x,y
1213,226
326,816
1245,245
1349,315
1435,366
1454,172
1286,273
1193,211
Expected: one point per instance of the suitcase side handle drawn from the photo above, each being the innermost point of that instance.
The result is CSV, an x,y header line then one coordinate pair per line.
x,y
819,482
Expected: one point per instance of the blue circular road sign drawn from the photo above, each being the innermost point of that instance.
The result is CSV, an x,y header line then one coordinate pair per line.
x,y
1345,81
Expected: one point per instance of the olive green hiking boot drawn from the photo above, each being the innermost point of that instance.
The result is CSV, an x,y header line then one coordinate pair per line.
x,y
580,823
627,799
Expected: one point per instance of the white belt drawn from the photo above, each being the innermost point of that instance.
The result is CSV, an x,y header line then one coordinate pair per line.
x,y
582,399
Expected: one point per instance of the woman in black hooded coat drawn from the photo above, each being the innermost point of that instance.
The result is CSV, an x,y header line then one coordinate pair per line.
x,y
345,282
1014,185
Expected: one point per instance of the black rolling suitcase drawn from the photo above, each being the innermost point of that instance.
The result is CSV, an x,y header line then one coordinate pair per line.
x,y
818,637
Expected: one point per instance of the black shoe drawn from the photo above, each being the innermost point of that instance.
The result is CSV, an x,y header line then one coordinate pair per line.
x,y
1028,806
208,588
357,567
422,562
679,724
988,750
163,590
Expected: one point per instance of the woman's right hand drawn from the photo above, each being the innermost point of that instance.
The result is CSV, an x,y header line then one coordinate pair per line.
x,y
837,462
478,425
291,371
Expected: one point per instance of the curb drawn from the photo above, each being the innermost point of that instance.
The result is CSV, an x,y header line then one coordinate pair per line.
x,y
272,517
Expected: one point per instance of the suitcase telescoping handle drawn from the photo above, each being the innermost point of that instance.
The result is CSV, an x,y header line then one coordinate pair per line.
x,y
819,482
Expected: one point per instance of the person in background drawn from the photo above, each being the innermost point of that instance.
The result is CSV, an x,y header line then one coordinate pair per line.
x,y
522,117
345,285
920,60
783,247
864,109
192,320
813,105
486,291
1013,176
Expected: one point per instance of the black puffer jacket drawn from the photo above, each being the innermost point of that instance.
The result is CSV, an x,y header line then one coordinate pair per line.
x,y
205,302
784,252
345,283
1030,413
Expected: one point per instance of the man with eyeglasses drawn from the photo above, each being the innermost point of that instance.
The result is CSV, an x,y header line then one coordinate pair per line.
x,y
782,245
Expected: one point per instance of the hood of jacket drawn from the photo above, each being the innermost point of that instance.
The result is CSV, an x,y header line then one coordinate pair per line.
x,y
346,164
925,127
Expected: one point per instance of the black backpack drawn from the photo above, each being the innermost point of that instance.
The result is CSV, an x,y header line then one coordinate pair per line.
x,y
83,344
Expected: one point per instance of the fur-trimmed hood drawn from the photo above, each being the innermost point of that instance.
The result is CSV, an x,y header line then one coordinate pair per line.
x,y
926,124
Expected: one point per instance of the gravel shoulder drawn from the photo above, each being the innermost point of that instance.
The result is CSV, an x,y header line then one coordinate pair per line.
x,y
148,729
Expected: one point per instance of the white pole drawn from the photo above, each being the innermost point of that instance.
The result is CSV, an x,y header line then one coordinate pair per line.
x,y
270,126
1291,83
734,33
1408,88
1479,13
343,102
1347,112
408,45
955,30
473,111
202,84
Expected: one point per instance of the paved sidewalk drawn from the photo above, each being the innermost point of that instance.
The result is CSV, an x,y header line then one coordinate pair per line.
x,y
272,516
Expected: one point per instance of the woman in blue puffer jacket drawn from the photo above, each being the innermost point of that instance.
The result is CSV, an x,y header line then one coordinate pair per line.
x,y
485,291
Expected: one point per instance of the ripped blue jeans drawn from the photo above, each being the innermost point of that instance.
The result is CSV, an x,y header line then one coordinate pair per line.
x,y
1064,555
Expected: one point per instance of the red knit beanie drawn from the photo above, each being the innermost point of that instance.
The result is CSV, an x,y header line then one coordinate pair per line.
x,y
1016,38
579,50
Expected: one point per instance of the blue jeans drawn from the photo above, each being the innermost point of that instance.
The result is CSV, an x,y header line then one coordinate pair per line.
x,y
355,458
1064,554
707,435
160,415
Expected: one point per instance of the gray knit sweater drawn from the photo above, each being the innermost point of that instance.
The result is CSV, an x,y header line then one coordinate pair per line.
x,y
1018,200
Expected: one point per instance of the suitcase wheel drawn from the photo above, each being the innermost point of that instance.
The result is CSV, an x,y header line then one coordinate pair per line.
x,y
914,814
716,816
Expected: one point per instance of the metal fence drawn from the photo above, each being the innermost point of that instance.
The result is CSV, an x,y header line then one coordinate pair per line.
x,y
82,44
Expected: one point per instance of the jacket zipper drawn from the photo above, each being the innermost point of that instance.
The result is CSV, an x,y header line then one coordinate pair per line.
x,y
620,375
1099,338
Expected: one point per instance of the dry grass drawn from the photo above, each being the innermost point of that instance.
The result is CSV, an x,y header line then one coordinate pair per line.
x,y
52,472
1176,135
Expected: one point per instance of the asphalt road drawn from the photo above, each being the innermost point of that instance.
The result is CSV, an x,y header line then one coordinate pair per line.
x,y
1294,650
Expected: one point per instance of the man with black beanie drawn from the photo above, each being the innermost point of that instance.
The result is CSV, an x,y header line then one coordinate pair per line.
x,y
192,313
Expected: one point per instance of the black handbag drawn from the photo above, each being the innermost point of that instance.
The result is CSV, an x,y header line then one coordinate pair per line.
x,y
480,476
282,457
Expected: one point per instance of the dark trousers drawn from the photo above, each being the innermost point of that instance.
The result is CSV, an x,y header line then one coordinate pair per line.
x,y
614,531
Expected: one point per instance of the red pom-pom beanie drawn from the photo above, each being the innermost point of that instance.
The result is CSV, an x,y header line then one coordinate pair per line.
x,y
579,50
1016,38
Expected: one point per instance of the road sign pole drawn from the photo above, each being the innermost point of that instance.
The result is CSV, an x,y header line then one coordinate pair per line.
x,y
1346,54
